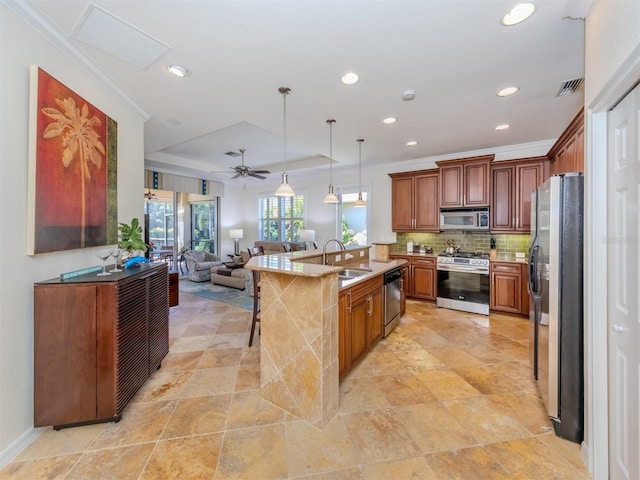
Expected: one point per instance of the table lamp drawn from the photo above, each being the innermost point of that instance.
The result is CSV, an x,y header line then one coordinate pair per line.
x,y
236,234
308,237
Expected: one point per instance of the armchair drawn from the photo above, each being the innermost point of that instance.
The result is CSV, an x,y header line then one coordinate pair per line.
x,y
199,264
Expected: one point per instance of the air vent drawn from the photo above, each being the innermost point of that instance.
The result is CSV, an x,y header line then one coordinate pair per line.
x,y
570,86
100,29
233,154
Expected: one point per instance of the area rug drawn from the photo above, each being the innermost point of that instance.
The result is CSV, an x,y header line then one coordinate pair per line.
x,y
219,293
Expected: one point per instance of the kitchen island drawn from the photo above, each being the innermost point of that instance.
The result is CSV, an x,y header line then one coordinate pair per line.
x,y
299,333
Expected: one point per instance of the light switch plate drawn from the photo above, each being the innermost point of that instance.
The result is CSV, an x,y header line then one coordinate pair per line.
x,y
362,253
338,258
519,255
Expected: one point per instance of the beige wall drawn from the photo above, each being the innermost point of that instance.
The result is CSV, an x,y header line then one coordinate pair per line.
x,y
612,31
20,47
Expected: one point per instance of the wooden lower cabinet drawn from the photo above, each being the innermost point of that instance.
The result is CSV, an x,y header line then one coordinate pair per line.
x,y
424,277
96,341
359,328
360,322
509,291
343,333
420,280
404,284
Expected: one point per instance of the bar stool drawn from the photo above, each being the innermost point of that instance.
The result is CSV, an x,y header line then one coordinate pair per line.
x,y
255,251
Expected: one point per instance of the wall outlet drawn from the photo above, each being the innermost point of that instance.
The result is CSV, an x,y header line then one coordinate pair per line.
x,y
338,258
519,255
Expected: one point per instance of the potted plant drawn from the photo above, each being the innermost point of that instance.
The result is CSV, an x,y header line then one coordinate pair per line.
x,y
130,240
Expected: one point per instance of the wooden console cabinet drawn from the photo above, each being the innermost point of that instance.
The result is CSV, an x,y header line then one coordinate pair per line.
x,y
96,341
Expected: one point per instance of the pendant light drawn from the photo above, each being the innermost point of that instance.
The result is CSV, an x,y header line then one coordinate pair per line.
x,y
331,197
360,202
284,190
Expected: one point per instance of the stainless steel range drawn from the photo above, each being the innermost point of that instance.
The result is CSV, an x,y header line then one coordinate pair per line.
x,y
463,281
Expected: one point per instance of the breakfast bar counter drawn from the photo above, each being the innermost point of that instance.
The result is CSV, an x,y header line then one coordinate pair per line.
x,y
299,368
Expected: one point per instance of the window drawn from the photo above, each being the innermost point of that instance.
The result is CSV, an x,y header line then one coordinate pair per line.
x,y
280,218
354,219
160,223
203,226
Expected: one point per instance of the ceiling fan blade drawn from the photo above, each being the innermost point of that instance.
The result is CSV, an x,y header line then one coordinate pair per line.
x,y
260,171
236,176
254,174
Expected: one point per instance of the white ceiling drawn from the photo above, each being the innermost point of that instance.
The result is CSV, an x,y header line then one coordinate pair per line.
x,y
454,53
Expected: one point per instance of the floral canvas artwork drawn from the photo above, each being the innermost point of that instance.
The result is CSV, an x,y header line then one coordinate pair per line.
x,y
73,167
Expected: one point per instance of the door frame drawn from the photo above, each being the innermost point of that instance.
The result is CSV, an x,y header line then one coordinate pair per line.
x,y
595,448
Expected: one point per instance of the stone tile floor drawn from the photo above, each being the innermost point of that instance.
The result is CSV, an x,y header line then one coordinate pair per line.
x,y
447,395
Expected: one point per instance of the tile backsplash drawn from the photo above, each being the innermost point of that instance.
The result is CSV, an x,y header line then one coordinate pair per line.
x,y
468,241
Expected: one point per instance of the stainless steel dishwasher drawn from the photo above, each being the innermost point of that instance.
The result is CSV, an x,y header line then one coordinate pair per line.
x,y
392,299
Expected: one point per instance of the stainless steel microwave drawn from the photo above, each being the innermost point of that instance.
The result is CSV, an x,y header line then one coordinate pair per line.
x,y
464,219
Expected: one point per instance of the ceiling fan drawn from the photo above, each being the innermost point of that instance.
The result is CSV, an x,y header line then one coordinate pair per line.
x,y
244,171
149,195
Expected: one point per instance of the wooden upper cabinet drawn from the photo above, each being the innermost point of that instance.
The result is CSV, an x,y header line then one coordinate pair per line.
x,y
402,203
529,176
451,186
414,201
512,184
476,184
427,213
465,182
567,154
502,206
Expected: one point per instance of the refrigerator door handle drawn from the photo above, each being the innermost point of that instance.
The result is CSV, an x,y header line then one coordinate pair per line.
x,y
533,270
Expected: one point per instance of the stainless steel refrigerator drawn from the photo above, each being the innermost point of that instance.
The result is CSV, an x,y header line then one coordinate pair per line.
x,y
556,308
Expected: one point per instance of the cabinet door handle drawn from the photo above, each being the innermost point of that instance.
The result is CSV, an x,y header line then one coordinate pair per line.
x,y
370,308
349,305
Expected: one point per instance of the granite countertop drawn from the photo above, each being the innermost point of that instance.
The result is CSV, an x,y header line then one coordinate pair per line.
x,y
509,258
292,263
404,253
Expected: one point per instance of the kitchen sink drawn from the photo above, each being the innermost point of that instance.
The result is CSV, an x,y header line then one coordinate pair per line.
x,y
349,273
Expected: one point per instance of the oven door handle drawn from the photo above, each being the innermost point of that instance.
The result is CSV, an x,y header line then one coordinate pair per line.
x,y
476,270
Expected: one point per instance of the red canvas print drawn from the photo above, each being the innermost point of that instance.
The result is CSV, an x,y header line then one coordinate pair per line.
x,y
72,170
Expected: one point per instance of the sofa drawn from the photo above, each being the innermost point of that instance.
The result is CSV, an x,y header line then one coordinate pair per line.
x,y
232,273
199,264
271,248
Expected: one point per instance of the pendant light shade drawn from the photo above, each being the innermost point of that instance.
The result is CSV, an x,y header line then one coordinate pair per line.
x,y
284,190
330,197
360,202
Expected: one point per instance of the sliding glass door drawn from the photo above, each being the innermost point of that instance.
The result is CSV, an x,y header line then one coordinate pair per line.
x,y
204,220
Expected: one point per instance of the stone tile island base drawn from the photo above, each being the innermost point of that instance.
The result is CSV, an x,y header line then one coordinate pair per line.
x,y
299,344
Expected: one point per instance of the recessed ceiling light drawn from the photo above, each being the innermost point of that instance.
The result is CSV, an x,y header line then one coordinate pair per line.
x,y
505,92
504,126
179,70
390,120
411,143
408,95
518,14
350,78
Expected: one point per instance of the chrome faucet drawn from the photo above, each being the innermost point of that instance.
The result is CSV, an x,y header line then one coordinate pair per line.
x,y
324,248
